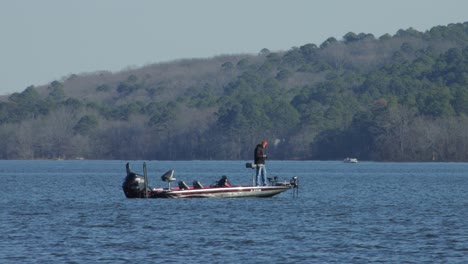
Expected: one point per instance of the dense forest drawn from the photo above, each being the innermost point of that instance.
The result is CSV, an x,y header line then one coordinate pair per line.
x,y
401,97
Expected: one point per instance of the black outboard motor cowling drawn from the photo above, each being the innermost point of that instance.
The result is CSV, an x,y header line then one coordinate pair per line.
x,y
134,185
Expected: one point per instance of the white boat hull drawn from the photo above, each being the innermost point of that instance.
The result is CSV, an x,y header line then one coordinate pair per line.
x,y
221,192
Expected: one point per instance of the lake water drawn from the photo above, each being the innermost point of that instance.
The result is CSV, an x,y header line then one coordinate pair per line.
x,y
76,212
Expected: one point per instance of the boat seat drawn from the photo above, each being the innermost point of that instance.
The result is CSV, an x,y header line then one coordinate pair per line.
x,y
197,185
168,176
183,185
224,182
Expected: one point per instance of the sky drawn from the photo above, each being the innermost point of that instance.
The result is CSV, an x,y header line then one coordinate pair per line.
x,y
47,40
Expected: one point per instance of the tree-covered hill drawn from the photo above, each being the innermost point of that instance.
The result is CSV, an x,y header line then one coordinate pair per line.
x,y
395,97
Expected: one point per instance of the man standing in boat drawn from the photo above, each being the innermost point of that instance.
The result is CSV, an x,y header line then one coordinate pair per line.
x,y
259,161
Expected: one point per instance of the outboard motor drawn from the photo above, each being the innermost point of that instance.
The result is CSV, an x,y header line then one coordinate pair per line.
x,y
134,185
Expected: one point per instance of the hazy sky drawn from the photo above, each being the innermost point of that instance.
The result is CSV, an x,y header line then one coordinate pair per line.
x,y
46,40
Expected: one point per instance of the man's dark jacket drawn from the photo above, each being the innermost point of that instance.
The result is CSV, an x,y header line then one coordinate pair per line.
x,y
259,155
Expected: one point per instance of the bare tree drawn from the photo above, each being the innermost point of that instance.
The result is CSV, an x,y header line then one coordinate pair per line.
x,y
395,138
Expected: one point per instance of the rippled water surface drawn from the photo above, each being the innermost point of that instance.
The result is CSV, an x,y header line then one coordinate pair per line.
x,y
76,212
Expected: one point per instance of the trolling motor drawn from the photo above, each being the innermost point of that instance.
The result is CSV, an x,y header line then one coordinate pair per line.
x,y
294,182
295,185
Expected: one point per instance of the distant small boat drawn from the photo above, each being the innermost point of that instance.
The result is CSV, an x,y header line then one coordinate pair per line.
x,y
136,186
350,160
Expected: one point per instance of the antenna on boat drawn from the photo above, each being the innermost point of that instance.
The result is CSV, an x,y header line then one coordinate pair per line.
x,y
145,175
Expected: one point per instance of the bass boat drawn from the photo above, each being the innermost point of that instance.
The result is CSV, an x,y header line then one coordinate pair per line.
x,y
136,186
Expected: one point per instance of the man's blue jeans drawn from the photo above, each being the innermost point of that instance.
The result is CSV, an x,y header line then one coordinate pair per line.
x,y
261,171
